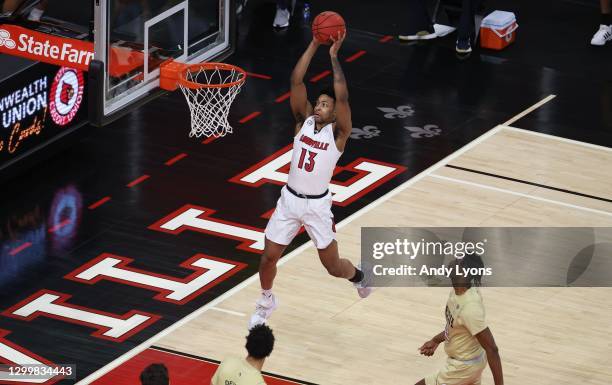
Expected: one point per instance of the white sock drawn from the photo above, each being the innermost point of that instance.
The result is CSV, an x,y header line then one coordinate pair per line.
x,y
267,293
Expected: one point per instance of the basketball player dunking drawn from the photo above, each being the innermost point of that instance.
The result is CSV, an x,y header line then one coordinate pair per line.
x,y
468,341
320,139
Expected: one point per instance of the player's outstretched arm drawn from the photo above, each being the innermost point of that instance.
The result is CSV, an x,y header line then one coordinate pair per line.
x,y
486,340
300,106
344,124
429,347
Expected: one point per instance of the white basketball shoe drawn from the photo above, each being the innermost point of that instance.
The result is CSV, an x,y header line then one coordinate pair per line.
x,y
281,19
264,307
363,287
602,36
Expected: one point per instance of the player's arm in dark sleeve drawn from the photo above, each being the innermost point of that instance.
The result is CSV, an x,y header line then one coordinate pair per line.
x,y
486,340
344,124
300,106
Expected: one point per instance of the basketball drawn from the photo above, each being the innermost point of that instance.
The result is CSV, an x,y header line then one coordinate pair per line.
x,y
327,24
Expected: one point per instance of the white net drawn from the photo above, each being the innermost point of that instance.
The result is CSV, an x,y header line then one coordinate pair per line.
x,y
209,106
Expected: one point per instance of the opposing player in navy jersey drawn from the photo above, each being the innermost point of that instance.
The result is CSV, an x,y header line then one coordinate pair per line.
x,y
320,138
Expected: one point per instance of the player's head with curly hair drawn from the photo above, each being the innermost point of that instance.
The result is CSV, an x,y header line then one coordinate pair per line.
x,y
325,106
471,266
260,341
155,374
329,91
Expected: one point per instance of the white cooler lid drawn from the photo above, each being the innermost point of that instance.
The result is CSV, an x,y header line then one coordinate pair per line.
x,y
498,20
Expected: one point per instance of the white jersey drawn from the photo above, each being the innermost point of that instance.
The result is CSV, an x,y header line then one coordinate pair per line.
x,y
314,158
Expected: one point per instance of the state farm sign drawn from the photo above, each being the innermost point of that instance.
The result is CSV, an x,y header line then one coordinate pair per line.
x,y
19,41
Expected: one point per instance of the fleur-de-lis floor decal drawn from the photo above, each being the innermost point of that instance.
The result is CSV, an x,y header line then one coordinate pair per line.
x,y
429,131
366,132
399,112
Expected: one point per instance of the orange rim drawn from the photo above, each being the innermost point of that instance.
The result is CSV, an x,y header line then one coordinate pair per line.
x,y
210,66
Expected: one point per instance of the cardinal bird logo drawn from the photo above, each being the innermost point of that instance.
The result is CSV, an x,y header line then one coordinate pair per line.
x,y
66,93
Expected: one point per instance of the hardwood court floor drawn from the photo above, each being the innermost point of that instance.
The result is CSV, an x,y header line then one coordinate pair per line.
x,y
327,335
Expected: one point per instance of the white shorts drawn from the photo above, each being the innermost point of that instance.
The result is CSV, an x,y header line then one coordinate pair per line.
x,y
292,212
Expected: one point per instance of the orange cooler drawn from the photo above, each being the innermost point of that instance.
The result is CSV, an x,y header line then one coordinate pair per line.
x,y
498,30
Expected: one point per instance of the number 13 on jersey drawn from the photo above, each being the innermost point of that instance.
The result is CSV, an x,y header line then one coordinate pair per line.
x,y
309,166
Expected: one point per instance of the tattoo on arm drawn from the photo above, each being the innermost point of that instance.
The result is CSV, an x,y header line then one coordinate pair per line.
x,y
340,86
338,73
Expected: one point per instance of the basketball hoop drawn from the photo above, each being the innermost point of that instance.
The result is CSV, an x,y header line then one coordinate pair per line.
x,y
210,89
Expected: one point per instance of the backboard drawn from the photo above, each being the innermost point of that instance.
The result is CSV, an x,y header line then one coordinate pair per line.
x,y
133,37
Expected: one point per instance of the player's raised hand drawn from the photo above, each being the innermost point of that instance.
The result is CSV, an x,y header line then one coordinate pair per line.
x,y
336,43
429,348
